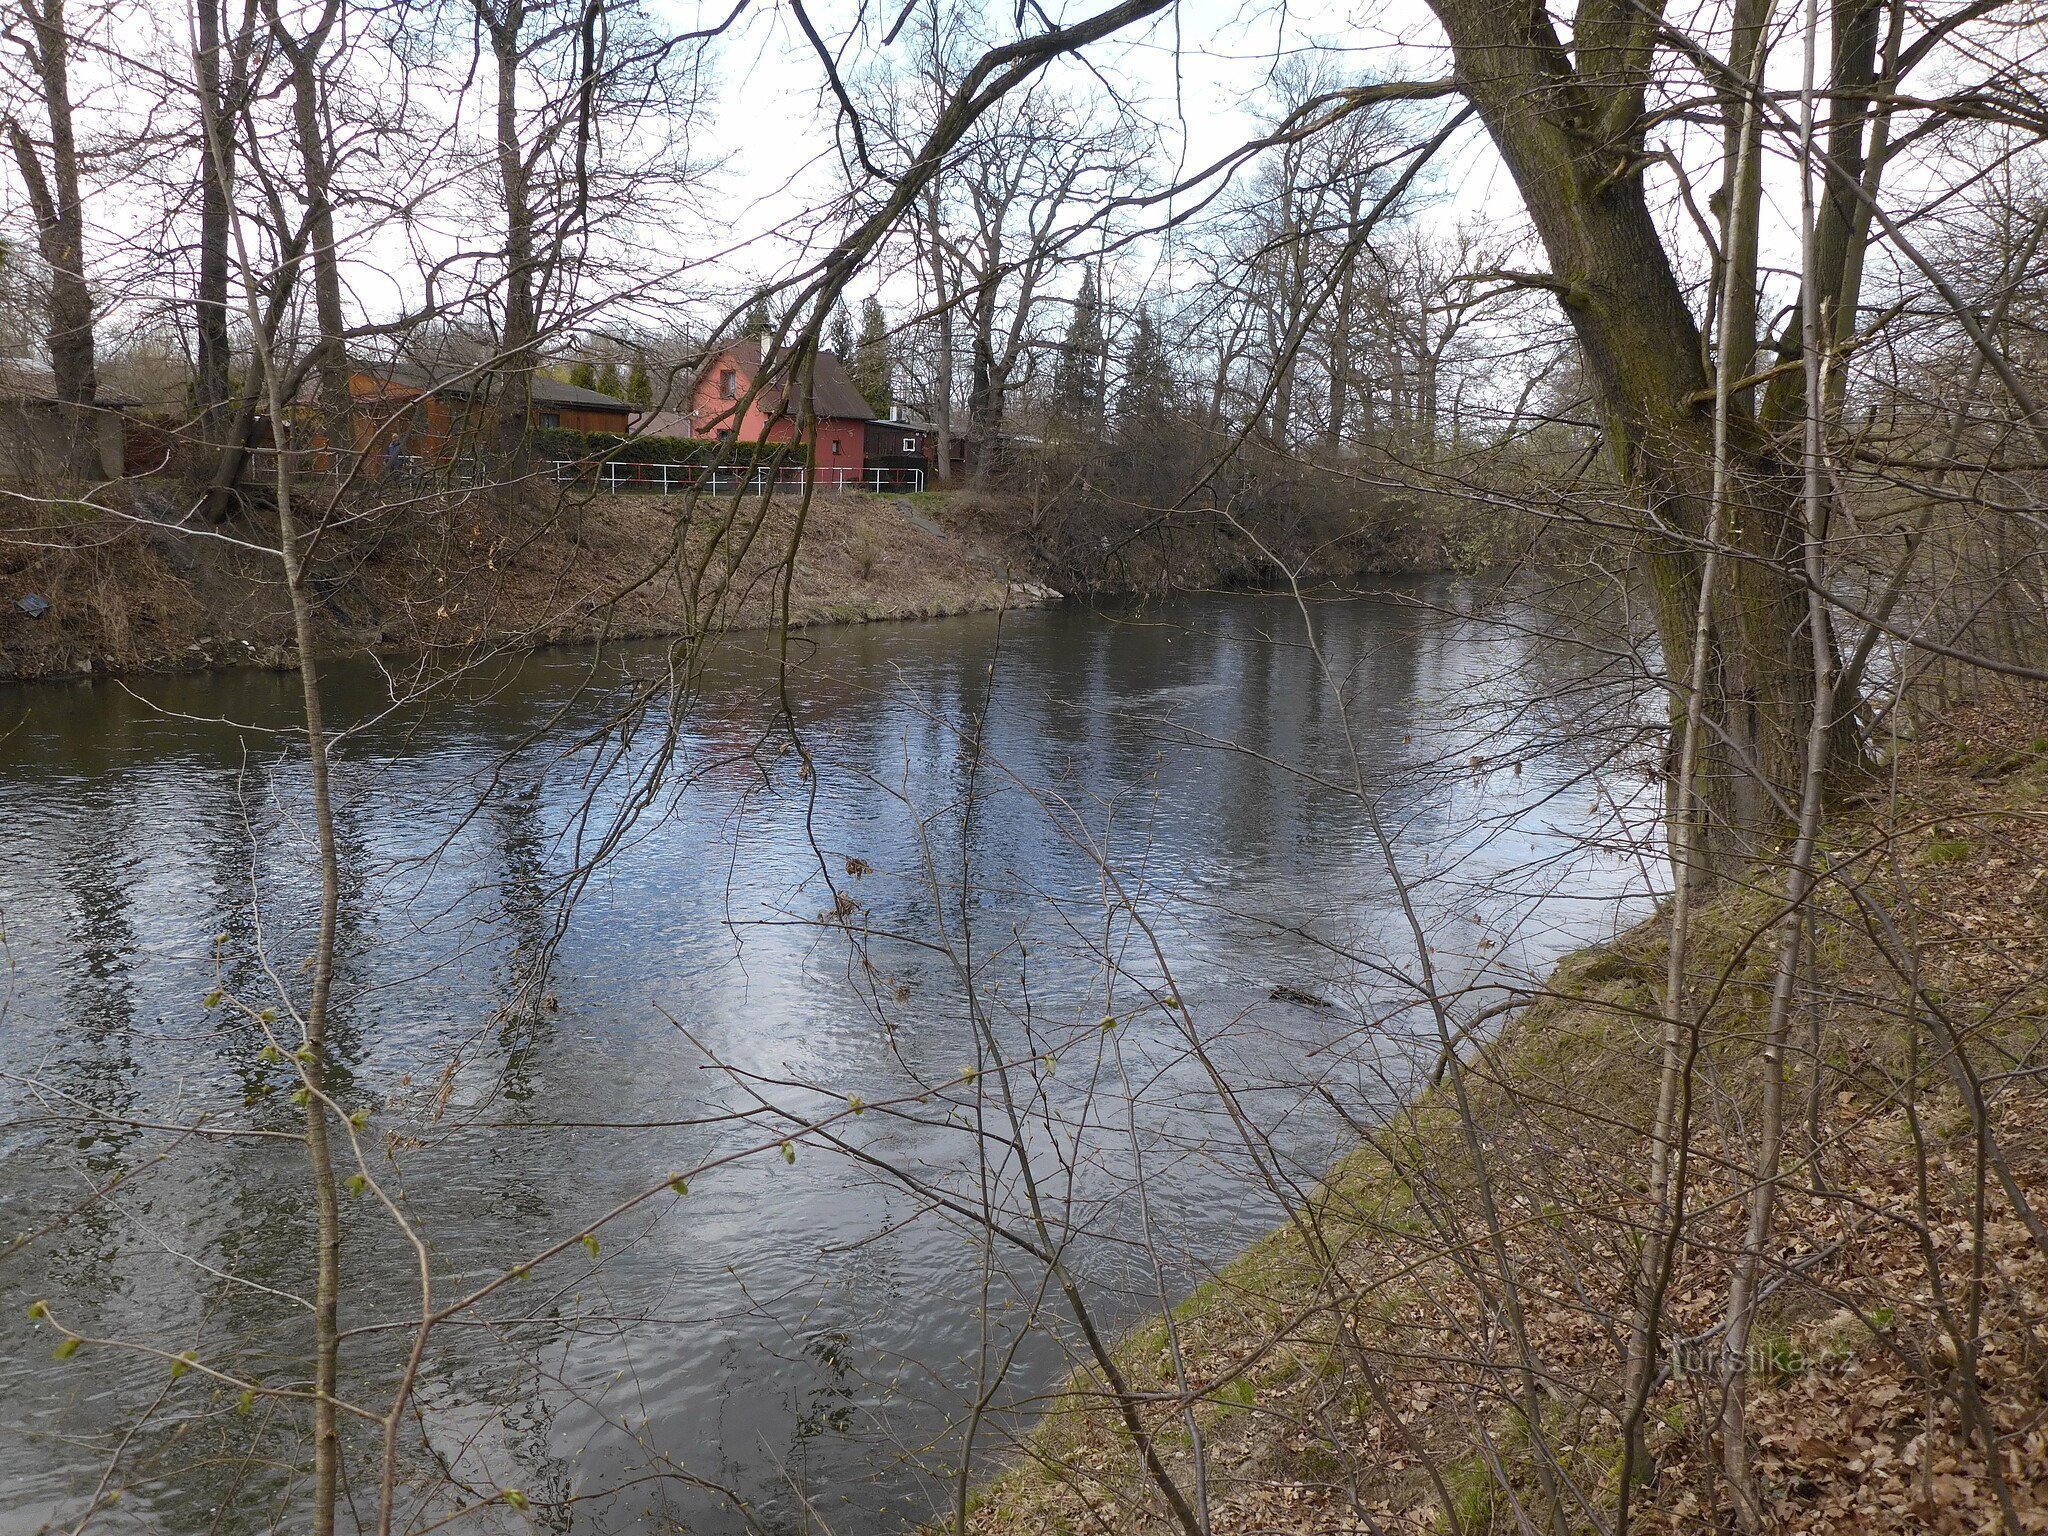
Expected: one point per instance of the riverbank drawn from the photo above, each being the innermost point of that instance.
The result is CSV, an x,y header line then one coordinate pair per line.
x,y
130,587
1358,1370
127,588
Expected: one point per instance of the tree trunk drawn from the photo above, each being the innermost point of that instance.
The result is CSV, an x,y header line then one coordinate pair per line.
x,y
330,367
984,388
211,345
1341,319
942,366
1570,136
59,211
518,339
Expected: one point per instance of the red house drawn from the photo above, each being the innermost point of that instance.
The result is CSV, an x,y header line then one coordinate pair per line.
x,y
838,438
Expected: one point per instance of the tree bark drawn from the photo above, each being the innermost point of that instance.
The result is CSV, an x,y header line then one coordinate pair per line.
x,y
1569,127
211,345
330,361
59,207
518,350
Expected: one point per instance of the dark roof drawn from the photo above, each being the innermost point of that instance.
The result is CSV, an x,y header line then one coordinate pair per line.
x,y
833,392
28,380
460,381
555,392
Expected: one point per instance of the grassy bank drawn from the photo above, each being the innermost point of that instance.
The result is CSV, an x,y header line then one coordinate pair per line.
x,y
1359,1369
131,589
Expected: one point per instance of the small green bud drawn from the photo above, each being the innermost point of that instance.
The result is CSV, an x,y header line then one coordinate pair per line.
x,y
356,1183
590,1242
270,1054
513,1497
521,1271
359,1119
679,1184
967,1074
267,1015
302,1096
856,1103
789,1152
1109,1021
183,1363
66,1348
246,1401
38,1309
212,999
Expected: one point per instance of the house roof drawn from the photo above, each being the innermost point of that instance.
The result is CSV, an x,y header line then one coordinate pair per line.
x,y
461,382
833,392
555,392
26,379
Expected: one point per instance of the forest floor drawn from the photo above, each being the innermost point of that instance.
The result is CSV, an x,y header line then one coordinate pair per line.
x,y
129,588
1353,1372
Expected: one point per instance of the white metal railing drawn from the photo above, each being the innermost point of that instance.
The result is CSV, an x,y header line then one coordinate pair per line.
x,y
675,479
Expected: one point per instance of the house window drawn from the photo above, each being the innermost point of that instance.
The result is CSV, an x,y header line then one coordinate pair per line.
x,y
910,445
550,420
835,447
725,434
728,384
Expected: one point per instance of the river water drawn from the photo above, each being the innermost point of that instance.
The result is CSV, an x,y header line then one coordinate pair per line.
x,y
1152,816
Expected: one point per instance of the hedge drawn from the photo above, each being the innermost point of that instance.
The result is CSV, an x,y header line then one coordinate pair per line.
x,y
557,443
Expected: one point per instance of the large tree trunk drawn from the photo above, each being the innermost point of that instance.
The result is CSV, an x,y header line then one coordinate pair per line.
x,y
59,208
1342,317
1569,130
984,386
211,345
330,362
942,365
518,350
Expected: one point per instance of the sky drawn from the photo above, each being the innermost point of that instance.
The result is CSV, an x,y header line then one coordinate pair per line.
x,y
1200,73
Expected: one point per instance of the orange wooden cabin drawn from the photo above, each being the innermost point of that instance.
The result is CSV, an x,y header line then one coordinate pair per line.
x,y
409,413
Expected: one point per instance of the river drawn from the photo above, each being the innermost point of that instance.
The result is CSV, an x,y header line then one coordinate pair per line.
x,y
1161,825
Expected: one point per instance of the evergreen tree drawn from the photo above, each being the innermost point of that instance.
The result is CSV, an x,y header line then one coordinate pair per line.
x,y
639,383
1077,373
583,375
872,369
610,381
1144,398
841,339
759,321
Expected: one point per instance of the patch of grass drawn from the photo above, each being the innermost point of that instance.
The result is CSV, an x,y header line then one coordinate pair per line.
x,y
1233,1397
1473,1494
1781,1357
1948,850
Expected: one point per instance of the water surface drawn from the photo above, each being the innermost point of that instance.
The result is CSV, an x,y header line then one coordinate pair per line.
x,y
1076,815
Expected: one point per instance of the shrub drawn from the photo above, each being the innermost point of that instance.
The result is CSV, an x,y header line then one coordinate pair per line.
x,y
561,443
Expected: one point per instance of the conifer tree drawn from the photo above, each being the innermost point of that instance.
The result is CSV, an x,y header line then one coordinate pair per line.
x,y
1076,386
872,369
1144,397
